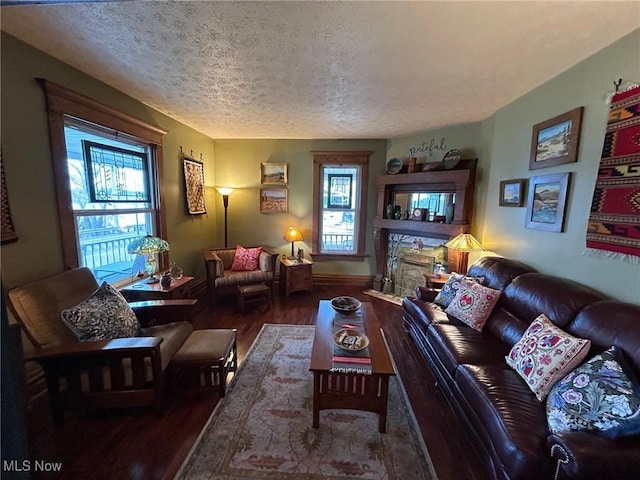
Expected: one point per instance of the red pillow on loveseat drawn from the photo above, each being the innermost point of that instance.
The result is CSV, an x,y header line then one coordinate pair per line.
x,y
246,259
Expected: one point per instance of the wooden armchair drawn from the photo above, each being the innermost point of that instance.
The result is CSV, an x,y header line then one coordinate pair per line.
x,y
124,372
221,280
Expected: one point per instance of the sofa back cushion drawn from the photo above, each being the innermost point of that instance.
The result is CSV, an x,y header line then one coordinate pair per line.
x,y
610,322
498,272
531,294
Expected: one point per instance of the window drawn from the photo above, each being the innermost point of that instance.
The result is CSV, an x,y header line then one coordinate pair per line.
x,y
339,205
107,178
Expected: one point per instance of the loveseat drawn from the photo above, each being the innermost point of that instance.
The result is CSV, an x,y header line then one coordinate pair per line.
x,y
498,407
223,279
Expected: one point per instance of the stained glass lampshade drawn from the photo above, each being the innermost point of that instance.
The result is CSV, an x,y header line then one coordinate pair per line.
x,y
464,243
148,246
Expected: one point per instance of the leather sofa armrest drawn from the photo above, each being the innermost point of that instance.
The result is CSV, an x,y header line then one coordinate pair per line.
x,y
213,265
426,294
590,456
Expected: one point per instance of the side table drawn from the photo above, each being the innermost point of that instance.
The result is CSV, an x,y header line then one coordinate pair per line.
x,y
141,291
295,275
435,283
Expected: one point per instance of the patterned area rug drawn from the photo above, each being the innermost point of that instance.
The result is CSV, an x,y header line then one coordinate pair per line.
x,y
262,428
384,296
614,222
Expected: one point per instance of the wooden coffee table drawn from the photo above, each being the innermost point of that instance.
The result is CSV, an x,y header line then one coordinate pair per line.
x,y
351,391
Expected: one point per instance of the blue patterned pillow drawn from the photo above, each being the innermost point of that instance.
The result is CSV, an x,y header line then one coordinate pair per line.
x,y
598,396
104,315
449,289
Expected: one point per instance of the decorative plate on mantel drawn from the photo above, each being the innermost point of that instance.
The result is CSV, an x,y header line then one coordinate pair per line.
x,y
394,165
451,159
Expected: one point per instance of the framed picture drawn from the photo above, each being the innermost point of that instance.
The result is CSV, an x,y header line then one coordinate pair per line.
x,y
512,192
547,201
274,200
194,185
555,141
273,173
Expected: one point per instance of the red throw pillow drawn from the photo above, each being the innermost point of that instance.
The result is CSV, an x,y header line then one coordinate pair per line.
x,y
246,259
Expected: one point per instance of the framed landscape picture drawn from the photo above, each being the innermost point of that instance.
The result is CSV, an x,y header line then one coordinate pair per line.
x,y
555,141
512,192
547,201
273,173
274,200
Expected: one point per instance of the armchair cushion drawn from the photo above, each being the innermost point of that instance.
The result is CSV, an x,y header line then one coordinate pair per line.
x,y
104,315
246,259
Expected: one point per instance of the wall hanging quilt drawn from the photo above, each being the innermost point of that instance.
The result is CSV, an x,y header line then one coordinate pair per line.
x,y
614,222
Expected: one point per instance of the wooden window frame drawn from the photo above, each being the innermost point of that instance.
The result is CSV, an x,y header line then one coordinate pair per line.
x,y
358,159
61,103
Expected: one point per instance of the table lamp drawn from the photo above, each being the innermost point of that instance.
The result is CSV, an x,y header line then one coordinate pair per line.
x,y
149,246
292,234
464,243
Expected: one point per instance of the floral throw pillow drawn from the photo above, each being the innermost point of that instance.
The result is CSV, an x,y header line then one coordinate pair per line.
x,y
473,304
449,290
597,396
545,354
246,259
104,315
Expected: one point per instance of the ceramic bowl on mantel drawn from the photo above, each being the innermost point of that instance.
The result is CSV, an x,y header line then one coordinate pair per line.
x,y
345,305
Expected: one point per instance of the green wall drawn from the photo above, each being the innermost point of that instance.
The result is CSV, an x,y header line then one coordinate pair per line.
x,y
238,165
502,144
29,175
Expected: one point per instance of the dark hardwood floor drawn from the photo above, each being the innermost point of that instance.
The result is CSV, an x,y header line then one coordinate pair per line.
x,y
137,444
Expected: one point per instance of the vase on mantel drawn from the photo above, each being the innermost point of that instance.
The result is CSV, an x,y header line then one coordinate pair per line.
x,y
448,212
390,211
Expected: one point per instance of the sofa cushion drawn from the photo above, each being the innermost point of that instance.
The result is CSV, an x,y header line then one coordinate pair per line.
x,y
473,304
559,299
497,272
512,421
598,396
246,259
545,354
455,343
104,315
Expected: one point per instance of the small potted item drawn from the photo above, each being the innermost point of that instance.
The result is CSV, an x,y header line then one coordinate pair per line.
x,y
165,280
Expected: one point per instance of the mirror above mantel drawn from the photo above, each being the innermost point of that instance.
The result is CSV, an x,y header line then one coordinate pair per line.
x,y
432,190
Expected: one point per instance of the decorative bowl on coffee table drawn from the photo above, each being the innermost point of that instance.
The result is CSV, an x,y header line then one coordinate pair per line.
x,y
351,340
345,305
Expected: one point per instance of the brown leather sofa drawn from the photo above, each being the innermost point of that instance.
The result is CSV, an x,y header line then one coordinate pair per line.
x,y
503,415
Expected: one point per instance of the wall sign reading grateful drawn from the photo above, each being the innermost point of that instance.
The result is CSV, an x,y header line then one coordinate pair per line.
x,y
429,148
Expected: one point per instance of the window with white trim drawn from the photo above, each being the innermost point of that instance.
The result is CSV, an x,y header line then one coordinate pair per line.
x,y
339,205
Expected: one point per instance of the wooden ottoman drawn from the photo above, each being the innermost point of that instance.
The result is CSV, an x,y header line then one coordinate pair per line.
x,y
205,359
258,294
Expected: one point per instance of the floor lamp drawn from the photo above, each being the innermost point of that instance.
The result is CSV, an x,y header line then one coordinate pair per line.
x,y
463,244
225,192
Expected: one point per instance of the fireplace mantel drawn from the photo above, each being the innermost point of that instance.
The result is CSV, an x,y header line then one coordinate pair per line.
x,y
460,181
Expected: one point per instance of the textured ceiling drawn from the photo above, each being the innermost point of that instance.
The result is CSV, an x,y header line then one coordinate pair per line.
x,y
322,69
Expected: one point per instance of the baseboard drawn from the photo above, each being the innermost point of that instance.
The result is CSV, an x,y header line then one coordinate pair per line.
x,y
361,281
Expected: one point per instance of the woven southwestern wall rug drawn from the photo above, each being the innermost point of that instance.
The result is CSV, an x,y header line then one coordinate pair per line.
x,y
262,428
614,222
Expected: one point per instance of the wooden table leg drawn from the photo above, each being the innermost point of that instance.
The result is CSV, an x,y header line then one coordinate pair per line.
x,y
384,394
316,399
